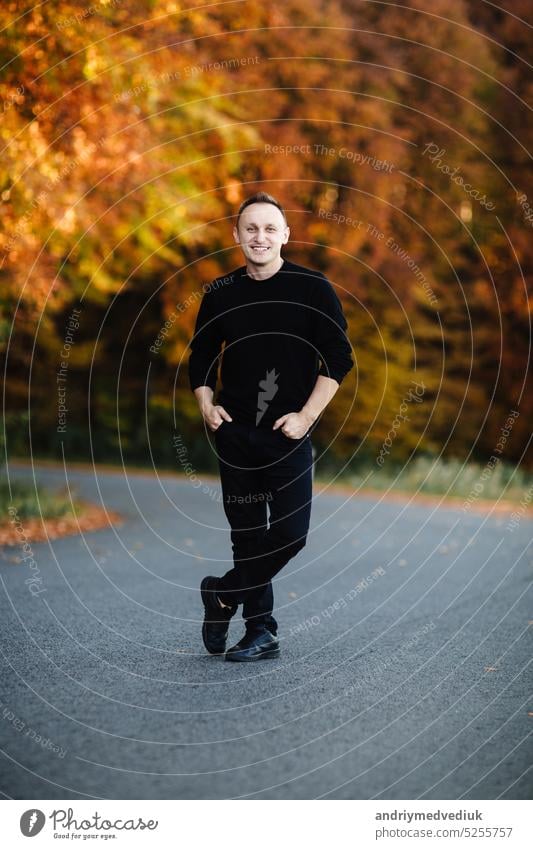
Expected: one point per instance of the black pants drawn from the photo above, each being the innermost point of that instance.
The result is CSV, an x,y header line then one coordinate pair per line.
x,y
262,469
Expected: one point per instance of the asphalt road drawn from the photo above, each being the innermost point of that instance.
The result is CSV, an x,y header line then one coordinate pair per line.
x,y
414,683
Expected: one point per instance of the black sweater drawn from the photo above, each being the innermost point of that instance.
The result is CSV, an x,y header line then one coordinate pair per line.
x,y
279,335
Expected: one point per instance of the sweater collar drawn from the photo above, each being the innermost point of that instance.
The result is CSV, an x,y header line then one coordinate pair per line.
x,y
281,269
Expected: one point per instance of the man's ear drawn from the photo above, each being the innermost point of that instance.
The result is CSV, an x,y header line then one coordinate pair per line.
x,y
236,235
287,234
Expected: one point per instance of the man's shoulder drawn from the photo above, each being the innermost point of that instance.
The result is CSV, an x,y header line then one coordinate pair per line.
x,y
314,283
310,275
214,290
225,280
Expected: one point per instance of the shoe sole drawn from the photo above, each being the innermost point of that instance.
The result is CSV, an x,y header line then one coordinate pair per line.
x,y
204,593
264,656
205,596
209,646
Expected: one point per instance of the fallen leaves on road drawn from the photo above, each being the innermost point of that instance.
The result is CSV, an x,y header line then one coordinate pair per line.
x,y
90,518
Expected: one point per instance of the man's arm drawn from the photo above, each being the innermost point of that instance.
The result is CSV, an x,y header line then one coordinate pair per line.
x,y
334,351
330,328
324,390
212,414
296,425
205,347
204,396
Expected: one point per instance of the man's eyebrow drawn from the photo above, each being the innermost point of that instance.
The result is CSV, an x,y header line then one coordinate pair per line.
x,y
253,224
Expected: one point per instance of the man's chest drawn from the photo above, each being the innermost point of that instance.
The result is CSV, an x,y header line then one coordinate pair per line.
x,y
283,314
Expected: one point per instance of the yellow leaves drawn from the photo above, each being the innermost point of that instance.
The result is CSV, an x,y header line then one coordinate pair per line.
x,y
83,353
39,145
233,191
67,223
99,278
95,62
207,147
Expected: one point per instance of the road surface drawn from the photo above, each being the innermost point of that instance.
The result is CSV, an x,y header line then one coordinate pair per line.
x,y
404,671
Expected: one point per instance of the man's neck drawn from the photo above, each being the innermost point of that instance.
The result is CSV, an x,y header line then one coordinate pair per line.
x,y
263,273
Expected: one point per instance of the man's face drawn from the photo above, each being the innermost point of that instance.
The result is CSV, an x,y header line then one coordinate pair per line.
x,y
261,233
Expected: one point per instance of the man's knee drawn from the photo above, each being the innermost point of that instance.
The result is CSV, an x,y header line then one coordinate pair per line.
x,y
299,543
290,544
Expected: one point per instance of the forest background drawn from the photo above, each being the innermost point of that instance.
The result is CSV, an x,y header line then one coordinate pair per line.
x,y
398,138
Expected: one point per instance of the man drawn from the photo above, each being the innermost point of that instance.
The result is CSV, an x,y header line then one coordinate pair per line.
x,y
285,355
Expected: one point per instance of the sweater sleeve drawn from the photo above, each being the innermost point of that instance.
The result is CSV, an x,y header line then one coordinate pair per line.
x,y
333,347
205,345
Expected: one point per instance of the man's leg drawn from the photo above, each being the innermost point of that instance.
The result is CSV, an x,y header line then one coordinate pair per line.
x,y
287,479
245,506
258,606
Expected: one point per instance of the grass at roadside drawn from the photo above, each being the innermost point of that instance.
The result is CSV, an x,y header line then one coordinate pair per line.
x,y
31,512
435,476
31,501
424,476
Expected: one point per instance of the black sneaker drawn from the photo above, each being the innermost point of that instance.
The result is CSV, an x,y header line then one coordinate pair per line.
x,y
269,623
257,644
216,619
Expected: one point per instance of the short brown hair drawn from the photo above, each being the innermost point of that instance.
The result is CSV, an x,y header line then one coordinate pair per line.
x,y
260,197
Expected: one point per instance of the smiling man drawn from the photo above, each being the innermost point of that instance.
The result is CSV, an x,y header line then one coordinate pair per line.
x,y
285,354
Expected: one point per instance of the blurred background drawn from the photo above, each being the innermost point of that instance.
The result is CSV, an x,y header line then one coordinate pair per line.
x,y
397,137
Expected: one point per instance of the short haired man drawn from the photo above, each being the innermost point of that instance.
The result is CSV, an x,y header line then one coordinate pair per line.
x,y
285,355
